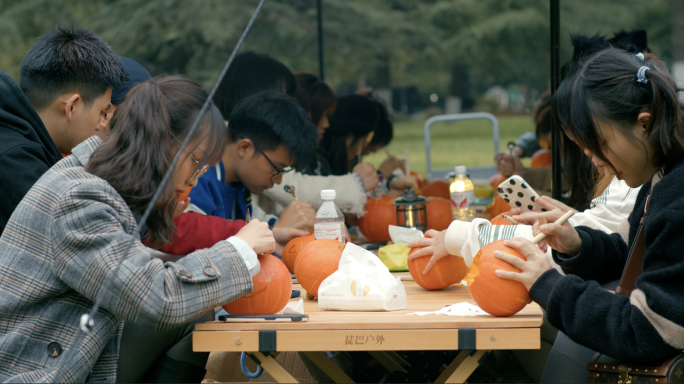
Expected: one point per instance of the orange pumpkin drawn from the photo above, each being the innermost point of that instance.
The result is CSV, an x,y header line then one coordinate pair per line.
x,y
272,290
495,180
316,261
436,188
438,213
380,214
496,296
541,158
500,206
293,248
446,272
185,194
498,220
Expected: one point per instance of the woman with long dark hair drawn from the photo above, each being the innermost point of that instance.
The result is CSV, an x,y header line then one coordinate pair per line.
x,y
623,111
78,223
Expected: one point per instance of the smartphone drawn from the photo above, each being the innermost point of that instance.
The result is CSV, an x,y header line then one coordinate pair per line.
x,y
518,193
259,318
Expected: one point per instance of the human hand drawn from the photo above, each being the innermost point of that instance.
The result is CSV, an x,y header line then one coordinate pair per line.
x,y
257,235
283,235
402,183
563,238
368,174
298,214
434,245
546,203
537,263
181,206
509,165
390,164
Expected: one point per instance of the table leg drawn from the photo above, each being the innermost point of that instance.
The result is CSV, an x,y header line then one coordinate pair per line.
x,y
273,368
386,361
462,367
328,367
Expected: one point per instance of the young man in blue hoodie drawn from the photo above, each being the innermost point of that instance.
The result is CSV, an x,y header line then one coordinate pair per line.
x,y
66,83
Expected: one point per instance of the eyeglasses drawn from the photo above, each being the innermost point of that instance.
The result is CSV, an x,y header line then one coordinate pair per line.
x,y
278,171
201,169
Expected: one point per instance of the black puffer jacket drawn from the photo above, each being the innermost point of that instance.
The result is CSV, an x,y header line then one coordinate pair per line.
x,y
26,149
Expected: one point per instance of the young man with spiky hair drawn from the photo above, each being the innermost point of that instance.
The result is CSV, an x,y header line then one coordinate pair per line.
x,y
66,82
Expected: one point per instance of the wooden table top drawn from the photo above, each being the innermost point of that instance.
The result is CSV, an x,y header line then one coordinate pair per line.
x,y
418,300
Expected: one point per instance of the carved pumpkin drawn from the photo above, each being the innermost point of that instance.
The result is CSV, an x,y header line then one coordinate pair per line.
x,y
436,188
498,220
316,261
438,213
293,248
448,271
380,214
542,158
500,206
272,290
496,296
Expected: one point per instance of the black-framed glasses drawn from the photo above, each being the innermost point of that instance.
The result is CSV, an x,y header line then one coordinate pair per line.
x,y
278,171
201,169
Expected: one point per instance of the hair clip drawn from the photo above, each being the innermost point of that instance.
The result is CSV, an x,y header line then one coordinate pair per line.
x,y
641,56
641,74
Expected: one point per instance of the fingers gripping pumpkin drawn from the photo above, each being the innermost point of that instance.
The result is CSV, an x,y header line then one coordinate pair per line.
x,y
496,296
447,272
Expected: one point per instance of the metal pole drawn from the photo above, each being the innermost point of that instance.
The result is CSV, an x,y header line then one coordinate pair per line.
x,y
556,175
321,66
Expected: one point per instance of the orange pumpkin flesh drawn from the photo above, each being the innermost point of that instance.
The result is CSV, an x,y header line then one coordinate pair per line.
x,y
540,159
316,261
496,296
272,290
438,213
380,214
293,248
436,188
446,272
499,220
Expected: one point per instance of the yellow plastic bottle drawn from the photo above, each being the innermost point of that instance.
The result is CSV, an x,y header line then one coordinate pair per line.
x,y
462,193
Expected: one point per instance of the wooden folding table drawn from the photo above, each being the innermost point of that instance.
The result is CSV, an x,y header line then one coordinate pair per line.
x,y
380,333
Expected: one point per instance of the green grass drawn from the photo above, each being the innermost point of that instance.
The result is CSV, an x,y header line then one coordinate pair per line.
x,y
466,142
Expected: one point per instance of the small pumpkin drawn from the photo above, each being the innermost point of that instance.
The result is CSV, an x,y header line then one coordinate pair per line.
x,y
436,188
446,272
495,180
292,249
380,214
316,261
495,295
542,158
500,206
438,213
498,220
272,290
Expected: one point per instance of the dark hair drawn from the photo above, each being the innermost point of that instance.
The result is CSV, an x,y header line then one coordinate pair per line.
x,y
384,132
356,115
314,95
69,60
136,74
252,73
542,115
270,119
578,169
144,136
606,88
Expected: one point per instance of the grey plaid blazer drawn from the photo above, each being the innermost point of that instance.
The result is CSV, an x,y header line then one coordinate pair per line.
x,y
62,242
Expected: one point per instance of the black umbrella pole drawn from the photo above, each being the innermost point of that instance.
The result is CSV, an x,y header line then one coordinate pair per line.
x,y
557,176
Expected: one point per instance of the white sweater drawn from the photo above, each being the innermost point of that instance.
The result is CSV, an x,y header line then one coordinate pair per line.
x,y
351,194
608,213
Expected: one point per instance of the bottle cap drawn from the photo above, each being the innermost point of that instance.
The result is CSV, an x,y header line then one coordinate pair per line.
x,y
460,170
328,194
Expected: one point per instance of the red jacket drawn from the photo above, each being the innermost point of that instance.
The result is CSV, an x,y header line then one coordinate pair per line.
x,y
195,231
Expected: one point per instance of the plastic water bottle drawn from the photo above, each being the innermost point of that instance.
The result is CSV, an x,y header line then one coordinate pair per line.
x,y
329,220
462,193
380,190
